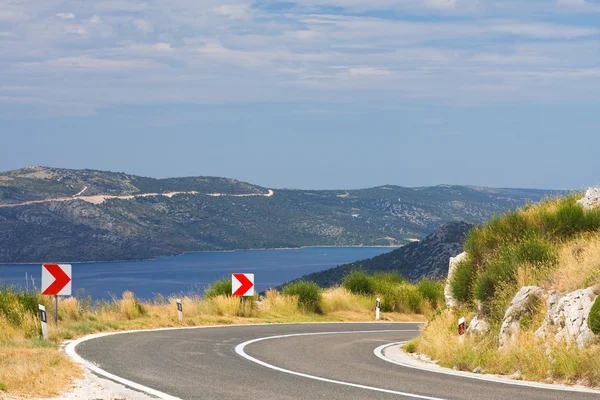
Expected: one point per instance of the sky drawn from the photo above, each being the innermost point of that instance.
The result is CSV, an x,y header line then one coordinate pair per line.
x,y
320,94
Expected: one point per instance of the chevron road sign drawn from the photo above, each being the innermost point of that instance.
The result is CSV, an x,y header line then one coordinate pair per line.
x,y
242,285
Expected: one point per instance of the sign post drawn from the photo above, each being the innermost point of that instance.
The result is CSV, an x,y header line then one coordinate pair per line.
x,y
43,319
377,308
461,326
242,285
180,310
56,281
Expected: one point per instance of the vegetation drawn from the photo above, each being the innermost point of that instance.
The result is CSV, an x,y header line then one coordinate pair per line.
x,y
308,293
594,317
222,287
519,248
427,257
146,227
554,245
32,367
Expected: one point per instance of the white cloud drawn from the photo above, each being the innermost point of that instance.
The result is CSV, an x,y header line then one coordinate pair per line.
x,y
66,15
138,52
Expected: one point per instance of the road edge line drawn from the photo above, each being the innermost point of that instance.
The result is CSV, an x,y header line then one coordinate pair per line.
x,y
69,349
434,368
239,349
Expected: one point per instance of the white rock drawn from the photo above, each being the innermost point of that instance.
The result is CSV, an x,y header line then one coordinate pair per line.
x,y
567,317
591,199
520,306
478,326
451,301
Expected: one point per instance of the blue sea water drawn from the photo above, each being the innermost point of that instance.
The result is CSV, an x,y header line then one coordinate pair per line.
x,y
192,272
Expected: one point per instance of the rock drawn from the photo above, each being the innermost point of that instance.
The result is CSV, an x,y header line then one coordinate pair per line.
x,y
516,376
478,326
478,370
451,301
591,199
567,317
520,306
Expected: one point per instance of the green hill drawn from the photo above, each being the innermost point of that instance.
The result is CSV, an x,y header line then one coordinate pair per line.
x,y
427,258
42,218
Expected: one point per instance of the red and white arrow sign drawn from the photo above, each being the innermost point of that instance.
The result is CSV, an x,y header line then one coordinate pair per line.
x,y
56,279
242,285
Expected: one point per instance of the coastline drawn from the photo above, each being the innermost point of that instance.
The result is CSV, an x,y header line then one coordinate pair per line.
x,y
200,252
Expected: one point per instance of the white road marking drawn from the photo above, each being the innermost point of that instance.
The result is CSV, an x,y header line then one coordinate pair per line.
x,y
239,349
490,378
72,353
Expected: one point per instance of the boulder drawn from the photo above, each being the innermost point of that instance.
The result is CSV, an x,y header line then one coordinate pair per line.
x,y
478,326
451,301
520,306
567,317
591,199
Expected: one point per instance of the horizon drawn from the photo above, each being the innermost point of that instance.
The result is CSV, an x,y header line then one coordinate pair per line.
x,y
319,93
292,188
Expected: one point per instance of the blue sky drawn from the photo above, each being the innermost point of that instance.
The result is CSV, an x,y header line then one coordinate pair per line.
x,y
313,94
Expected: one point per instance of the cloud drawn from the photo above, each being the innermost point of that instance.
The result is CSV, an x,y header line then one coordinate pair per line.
x,y
115,52
66,15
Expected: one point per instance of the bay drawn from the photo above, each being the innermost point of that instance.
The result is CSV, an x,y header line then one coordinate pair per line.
x,y
191,273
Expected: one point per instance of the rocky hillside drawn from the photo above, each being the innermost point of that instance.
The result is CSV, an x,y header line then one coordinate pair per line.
x,y
527,284
50,214
427,258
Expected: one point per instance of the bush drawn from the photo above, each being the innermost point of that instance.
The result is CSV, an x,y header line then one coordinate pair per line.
x,y
403,298
594,317
485,287
358,282
410,347
131,307
431,290
222,287
462,280
309,295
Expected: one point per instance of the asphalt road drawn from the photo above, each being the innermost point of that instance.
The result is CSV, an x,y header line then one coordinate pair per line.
x,y
203,364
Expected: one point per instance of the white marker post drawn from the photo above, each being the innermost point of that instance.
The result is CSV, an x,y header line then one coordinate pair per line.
x,y
377,309
180,310
43,319
461,326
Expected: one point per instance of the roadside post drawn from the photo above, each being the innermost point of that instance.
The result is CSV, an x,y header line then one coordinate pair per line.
x,y
56,281
461,326
377,308
44,320
242,285
180,310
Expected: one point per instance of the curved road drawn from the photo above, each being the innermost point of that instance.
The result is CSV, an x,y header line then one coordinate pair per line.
x,y
204,364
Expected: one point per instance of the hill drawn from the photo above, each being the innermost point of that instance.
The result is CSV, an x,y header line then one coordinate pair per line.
x,y
527,284
427,258
52,214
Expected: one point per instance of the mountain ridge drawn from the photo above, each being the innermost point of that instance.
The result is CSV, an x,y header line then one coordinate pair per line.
x,y
118,216
427,258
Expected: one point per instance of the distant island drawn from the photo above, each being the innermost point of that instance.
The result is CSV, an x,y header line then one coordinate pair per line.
x,y
52,214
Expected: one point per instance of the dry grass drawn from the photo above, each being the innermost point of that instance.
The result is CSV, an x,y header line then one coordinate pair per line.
x,y
30,367
534,358
579,263
35,372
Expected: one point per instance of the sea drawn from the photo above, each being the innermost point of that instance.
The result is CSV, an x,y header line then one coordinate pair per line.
x,y
191,273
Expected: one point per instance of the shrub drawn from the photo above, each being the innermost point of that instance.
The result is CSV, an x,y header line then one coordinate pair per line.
x,y
484,287
222,287
403,298
309,295
131,307
410,347
462,280
431,290
594,317
358,282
